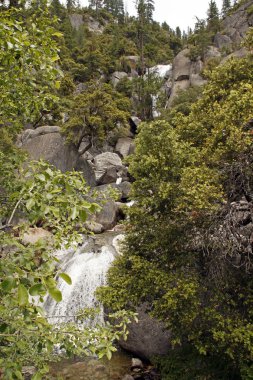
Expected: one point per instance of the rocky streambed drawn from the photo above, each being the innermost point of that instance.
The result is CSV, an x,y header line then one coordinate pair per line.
x,y
120,367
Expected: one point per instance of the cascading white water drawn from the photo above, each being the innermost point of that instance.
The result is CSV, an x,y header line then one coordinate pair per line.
x,y
162,72
87,268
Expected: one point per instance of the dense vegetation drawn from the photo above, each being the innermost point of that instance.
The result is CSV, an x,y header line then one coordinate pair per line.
x,y
181,256
176,257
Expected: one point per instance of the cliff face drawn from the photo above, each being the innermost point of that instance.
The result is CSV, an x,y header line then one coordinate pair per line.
x,y
186,72
235,27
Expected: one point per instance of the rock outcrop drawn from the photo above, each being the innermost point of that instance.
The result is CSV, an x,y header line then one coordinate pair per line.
x,y
117,76
235,27
77,20
185,73
48,144
227,43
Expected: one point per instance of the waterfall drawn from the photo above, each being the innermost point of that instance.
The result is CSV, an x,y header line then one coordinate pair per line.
x,y
162,72
87,266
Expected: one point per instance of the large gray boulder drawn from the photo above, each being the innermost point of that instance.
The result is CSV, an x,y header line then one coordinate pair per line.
x,y
176,88
108,216
148,337
212,52
48,144
123,190
94,26
185,73
222,41
51,147
195,73
181,66
124,146
105,161
117,76
83,165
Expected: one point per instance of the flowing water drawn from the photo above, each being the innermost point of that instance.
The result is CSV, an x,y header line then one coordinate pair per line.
x,y
87,266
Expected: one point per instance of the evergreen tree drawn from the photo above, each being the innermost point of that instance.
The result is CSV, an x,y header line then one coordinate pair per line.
x,y
145,9
226,6
96,4
115,7
213,17
178,32
70,4
57,8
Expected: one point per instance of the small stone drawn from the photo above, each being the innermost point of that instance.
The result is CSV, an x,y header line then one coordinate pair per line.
x,y
27,371
136,363
94,227
127,377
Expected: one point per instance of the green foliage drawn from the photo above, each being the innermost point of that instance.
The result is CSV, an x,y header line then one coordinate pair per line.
x,y
96,112
56,201
53,200
226,7
199,40
37,195
213,22
28,61
185,98
188,364
171,259
66,85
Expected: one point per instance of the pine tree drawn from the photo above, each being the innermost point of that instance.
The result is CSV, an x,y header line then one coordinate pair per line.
x,y
178,32
96,4
71,4
115,7
213,21
226,6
